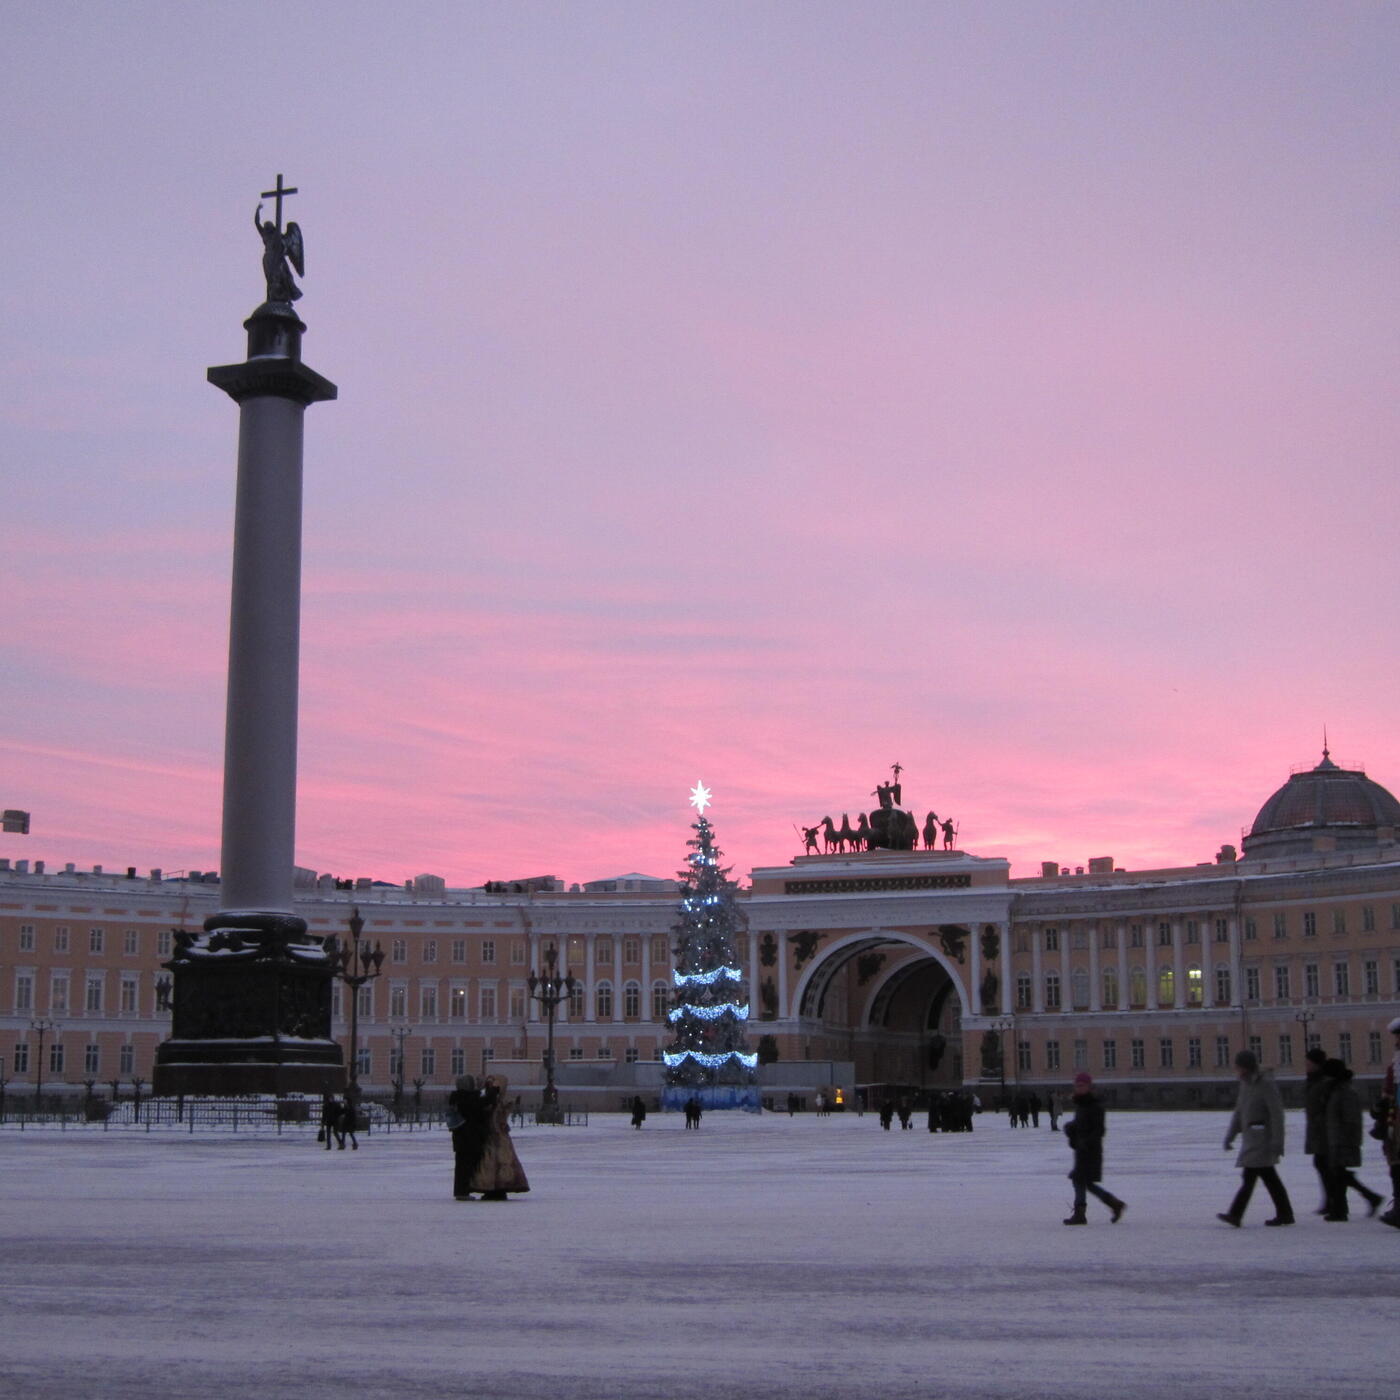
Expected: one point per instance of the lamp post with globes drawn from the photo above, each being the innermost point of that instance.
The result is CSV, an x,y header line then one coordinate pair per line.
x,y
550,990
354,964
41,1029
1002,1025
1305,1018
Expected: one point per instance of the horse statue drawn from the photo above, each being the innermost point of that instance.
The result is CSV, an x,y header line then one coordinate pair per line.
x,y
931,832
846,836
862,836
829,836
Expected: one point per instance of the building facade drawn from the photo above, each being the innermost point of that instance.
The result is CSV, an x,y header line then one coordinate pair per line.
x,y
923,968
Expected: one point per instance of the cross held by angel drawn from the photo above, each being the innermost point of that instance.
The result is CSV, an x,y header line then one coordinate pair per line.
x,y
282,249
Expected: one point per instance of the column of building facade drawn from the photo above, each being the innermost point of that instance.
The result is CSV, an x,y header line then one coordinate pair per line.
x,y
1236,969
1095,987
974,970
1125,986
1007,990
648,1015
1149,957
754,1002
784,948
590,983
1179,962
1037,986
1066,970
1207,962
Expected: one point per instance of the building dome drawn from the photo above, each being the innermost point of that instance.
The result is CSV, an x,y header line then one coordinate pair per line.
x,y
1340,804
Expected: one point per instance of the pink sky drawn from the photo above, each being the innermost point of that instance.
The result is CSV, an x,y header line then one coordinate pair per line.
x,y
755,393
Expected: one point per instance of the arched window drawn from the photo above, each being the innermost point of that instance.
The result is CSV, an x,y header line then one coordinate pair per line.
x,y
1137,987
602,1001
1195,986
632,1000
1166,987
660,1000
1110,986
1079,987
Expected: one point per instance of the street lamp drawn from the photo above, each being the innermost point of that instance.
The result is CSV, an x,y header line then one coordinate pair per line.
x,y
550,990
1305,1018
41,1029
1002,1025
354,964
400,1034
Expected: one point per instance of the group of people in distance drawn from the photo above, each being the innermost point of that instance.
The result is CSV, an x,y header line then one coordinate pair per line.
x,y
1334,1138
337,1122
484,1160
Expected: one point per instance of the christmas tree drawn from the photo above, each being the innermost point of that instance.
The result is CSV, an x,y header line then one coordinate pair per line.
x,y
709,1055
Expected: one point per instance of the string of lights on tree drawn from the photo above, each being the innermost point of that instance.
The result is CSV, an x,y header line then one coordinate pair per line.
x,y
709,1007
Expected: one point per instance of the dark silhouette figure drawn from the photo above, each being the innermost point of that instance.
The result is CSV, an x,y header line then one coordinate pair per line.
x,y
1085,1132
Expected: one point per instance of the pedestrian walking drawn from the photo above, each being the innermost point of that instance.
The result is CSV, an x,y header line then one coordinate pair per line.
x,y
1085,1132
639,1112
1052,1107
345,1128
498,1170
1315,1088
1258,1122
1388,1125
466,1119
1343,1131
330,1119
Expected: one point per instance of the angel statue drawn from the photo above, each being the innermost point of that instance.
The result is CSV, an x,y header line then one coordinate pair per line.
x,y
280,248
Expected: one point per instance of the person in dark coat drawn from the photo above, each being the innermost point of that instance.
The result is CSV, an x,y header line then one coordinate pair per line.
x,y
1085,1132
467,1118
349,1115
1315,1089
1258,1122
639,1112
1052,1107
330,1119
1342,1128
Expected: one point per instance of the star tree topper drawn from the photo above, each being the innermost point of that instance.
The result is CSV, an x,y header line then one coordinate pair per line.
x,y
700,797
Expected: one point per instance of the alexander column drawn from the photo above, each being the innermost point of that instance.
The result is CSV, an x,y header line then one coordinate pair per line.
x,y
251,996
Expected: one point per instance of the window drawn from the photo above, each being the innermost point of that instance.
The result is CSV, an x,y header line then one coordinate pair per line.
x,y
457,1003
1341,979
1371,977
488,950
1281,982
1195,986
1339,921
1135,936
398,950
163,943
1023,990
603,952
1309,924
1344,1047
1395,969
576,1052
126,1059
1222,930
1022,941
603,1001
487,1055
1023,1056
336,1008
1138,1051
398,1001
1222,986
1079,939
427,1002
430,950
1164,935
131,989
660,953
1251,984
92,1059
632,1000
58,992
630,1055
1256,1047
517,1003
366,1001
576,1002
1110,1054
22,1059
96,938
575,950
517,952
1285,1049
1052,991
1222,1052
487,998
131,943
1193,931
56,1057
458,1061
1137,987
605,1051
1052,1054
1079,987
1165,1053
1373,1047
24,991
1368,918
459,950
1193,1052
427,1062
363,1062
26,936
60,939
660,1000
1081,1054
1166,987
1280,925
631,951
92,998
1110,987
1310,980
1052,940
1110,937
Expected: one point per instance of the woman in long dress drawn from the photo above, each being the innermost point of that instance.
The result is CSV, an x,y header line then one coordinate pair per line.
x,y
499,1171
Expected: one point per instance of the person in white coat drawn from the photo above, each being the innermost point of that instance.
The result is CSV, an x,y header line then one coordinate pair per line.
x,y
1258,1122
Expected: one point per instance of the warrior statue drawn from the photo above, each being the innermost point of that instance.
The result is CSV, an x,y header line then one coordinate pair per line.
x,y
280,247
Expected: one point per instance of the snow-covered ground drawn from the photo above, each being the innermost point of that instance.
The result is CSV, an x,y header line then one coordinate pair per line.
x,y
759,1257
